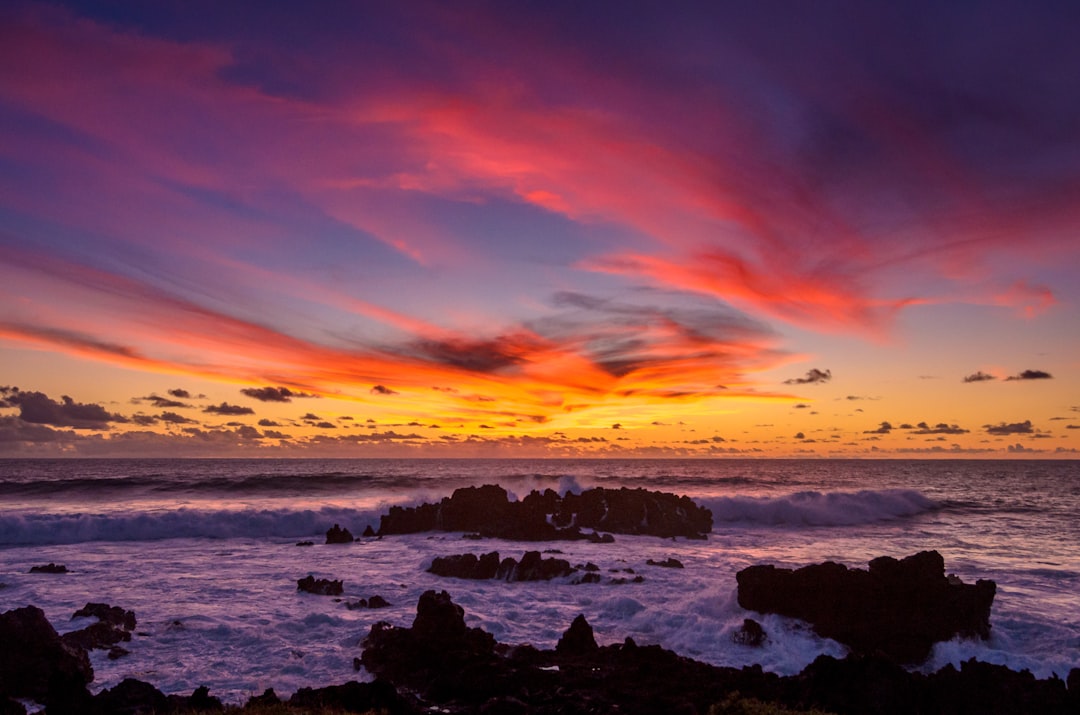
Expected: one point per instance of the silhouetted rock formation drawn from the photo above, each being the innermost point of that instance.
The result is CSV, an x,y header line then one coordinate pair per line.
x,y
532,567
751,633
114,626
320,587
578,639
49,568
544,516
36,664
898,608
441,662
373,602
670,563
338,535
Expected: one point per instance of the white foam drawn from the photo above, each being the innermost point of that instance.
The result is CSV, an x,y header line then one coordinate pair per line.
x,y
21,529
811,508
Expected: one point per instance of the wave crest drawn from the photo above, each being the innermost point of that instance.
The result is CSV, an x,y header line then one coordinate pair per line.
x,y
812,508
41,529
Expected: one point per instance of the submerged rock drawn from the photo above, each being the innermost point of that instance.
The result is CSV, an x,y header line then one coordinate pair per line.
x,y
898,608
669,563
320,587
373,602
113,615
540,516
751,633
49,568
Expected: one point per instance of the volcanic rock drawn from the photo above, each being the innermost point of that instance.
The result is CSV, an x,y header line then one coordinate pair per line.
x,y
898,608
669,563
49,568
373,602
442,664
35,663
320,587
578,639
751,633
96,635
338,535
113,615
541,516
532,567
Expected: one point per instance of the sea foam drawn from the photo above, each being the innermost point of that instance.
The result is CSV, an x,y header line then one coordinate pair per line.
x,y
811,508
43,529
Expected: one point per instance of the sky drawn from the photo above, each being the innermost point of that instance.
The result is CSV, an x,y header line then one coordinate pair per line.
x,y
530,229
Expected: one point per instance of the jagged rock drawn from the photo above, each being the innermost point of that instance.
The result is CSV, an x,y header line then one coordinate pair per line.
x,y
96,635
373,602
116,652
36,663
354,697
268,697
305,543
899,608
751,633
49,568
541,516
113,615
338,535
131,697
578,639
438,654
201,700
669,563
532,567
441,664
320,587
368,531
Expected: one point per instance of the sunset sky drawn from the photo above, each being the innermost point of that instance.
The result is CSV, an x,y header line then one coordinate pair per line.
x,y
539,229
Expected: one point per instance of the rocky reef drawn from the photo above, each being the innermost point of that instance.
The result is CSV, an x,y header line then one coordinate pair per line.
x,y
546,516
896,608
439,663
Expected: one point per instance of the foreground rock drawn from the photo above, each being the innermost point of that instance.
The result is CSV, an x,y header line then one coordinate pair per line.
x,y
897,608
545,516
441,662
35,663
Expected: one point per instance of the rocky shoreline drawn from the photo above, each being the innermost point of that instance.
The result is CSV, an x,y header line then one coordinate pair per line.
x,y
888,615
440,662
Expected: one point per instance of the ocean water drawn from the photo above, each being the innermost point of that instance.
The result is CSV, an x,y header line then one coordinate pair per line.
x,y
204,552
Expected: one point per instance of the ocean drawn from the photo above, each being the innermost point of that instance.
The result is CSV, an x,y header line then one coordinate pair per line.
x,y
205,553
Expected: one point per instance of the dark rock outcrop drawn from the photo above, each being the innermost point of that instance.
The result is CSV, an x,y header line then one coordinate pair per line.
x,y
320,586
441,662
750,633
897,608
544,516
669,563
578,639
112,615
338,535
373,602
36,663
532,567
49,568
